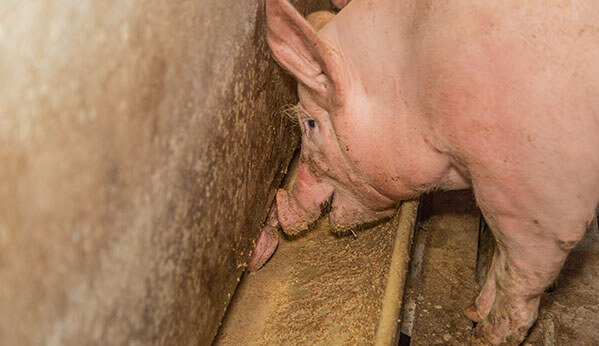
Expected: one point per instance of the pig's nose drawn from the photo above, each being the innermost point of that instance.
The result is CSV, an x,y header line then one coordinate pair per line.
x,y
291,215
300,205
295,215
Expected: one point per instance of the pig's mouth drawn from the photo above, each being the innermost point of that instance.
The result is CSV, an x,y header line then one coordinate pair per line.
x,y
306,197
354,228
295,221
343,220
354,221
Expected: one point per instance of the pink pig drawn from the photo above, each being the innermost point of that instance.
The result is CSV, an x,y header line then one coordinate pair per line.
x,y
402,97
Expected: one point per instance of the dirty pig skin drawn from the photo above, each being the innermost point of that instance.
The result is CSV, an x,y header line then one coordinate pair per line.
x,y
402,97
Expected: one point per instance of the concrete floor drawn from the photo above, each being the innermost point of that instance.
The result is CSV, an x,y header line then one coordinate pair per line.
x,y
444,282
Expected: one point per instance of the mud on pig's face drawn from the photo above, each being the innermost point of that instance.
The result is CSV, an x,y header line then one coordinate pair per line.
x,y
326,174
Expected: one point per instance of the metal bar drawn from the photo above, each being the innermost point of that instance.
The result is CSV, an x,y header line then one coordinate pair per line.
x,y
387,330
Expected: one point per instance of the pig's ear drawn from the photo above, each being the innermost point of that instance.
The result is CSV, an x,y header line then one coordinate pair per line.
x,y
313,61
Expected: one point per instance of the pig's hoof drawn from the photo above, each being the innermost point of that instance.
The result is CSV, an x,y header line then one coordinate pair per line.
x,y
267,243
472,313
486,334
477,341
503,327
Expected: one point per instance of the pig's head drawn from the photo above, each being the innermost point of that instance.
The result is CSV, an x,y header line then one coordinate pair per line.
x,y
338,160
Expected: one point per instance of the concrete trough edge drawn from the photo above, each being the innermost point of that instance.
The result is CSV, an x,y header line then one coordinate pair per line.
x,y
388,325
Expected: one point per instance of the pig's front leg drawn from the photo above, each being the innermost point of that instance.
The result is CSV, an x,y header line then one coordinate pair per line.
x,y
529,254
267,242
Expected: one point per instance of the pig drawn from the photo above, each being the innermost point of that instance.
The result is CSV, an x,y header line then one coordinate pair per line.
x,y
268,239
399,98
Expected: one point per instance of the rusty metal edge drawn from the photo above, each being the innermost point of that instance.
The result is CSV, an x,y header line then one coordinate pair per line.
x,y
386,332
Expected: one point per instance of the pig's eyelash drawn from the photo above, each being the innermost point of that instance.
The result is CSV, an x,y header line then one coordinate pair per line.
x,y
290,111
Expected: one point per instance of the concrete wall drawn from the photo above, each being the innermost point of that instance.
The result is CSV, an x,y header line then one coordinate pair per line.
x,y
139,148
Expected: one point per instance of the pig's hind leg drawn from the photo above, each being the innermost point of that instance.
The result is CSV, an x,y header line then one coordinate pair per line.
x,y
532,244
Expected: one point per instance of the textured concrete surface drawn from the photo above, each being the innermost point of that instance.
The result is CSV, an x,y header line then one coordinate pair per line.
x,y
444,283
139,145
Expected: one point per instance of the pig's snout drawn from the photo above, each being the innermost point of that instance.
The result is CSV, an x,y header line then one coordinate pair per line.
x,y
301,205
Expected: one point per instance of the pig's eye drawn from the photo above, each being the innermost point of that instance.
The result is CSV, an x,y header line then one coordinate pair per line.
x,y
309,125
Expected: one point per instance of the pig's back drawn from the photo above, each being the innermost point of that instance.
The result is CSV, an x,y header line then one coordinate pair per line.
x,y
515,89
